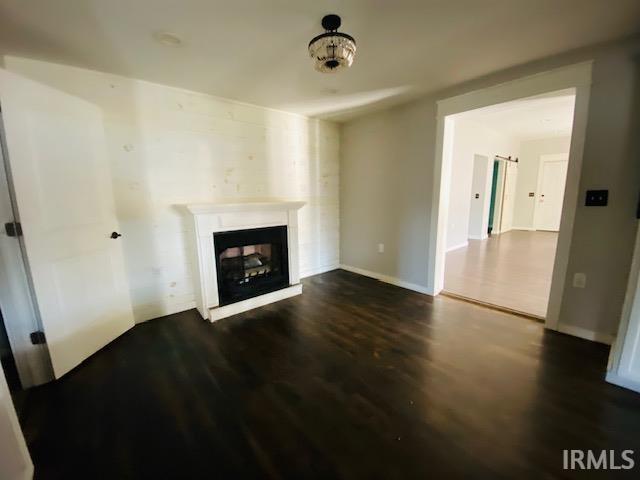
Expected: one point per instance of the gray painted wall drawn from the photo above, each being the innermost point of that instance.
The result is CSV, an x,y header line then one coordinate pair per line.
x,y
387,193
387,169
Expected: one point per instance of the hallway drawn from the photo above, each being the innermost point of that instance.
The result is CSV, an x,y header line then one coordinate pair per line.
x,y
511,270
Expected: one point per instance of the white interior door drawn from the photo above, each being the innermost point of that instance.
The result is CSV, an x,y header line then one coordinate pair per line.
x,y
551,181
479,208
62,183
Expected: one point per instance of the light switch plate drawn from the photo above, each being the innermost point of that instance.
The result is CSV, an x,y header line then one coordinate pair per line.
x,y
597,198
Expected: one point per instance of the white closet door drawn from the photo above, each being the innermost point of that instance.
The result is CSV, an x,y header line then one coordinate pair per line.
x,y
61,177
552,179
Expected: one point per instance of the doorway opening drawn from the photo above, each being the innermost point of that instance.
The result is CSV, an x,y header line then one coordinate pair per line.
x,y
570,81
494,191
508,173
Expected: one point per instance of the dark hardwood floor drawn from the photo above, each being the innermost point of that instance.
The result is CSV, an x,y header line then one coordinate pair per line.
x,y
352,379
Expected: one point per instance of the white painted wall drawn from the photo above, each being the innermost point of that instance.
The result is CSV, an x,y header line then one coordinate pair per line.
x,y
387,173
528,171
480,184
15,462
169,146
470,138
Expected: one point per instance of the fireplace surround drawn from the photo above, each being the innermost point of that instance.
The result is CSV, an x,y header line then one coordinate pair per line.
x,y
246,255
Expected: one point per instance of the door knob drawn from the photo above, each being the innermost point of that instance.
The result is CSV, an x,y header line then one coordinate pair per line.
x,y
115,235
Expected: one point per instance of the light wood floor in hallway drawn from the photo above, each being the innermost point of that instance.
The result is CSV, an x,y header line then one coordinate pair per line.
x,y
511,270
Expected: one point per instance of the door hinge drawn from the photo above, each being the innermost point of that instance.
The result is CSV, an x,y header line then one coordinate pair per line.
x,y
38,338
13,229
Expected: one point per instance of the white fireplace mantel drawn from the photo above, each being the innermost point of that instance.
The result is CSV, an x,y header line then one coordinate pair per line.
x,y
264,206
209,218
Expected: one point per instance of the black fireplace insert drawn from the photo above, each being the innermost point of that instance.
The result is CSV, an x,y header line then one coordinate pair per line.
x,y
251,262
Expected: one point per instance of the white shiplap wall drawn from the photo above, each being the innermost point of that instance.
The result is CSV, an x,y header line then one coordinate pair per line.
x,y
170,147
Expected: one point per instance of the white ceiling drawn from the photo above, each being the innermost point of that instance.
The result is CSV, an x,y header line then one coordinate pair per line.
x,y
529,118
255,50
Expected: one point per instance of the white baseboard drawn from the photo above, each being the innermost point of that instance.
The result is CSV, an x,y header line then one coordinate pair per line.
x,y
478,237
526,229
500,232
386,279
622,382
318,270
456,247
599,337
144,313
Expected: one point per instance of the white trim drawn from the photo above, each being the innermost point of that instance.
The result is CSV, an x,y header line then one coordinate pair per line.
x,y
478,237
586,334
440,204
576,77
562,78
151,311
527,229
460,245
251,206
385,278
569,205
500,232
318,270
623,382
225,311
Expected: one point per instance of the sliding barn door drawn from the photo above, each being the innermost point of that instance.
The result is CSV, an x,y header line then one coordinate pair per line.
x,y
60,173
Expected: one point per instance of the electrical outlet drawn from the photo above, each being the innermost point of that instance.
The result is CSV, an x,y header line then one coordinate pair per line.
x,y
579,280
381,248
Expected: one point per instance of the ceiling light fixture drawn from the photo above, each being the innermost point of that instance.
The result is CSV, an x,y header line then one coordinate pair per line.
x,y
332,51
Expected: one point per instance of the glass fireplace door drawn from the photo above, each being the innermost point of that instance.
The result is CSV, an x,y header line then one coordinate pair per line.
x,y
251,262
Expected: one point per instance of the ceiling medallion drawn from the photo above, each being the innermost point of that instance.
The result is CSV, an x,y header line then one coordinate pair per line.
x,y
332,51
